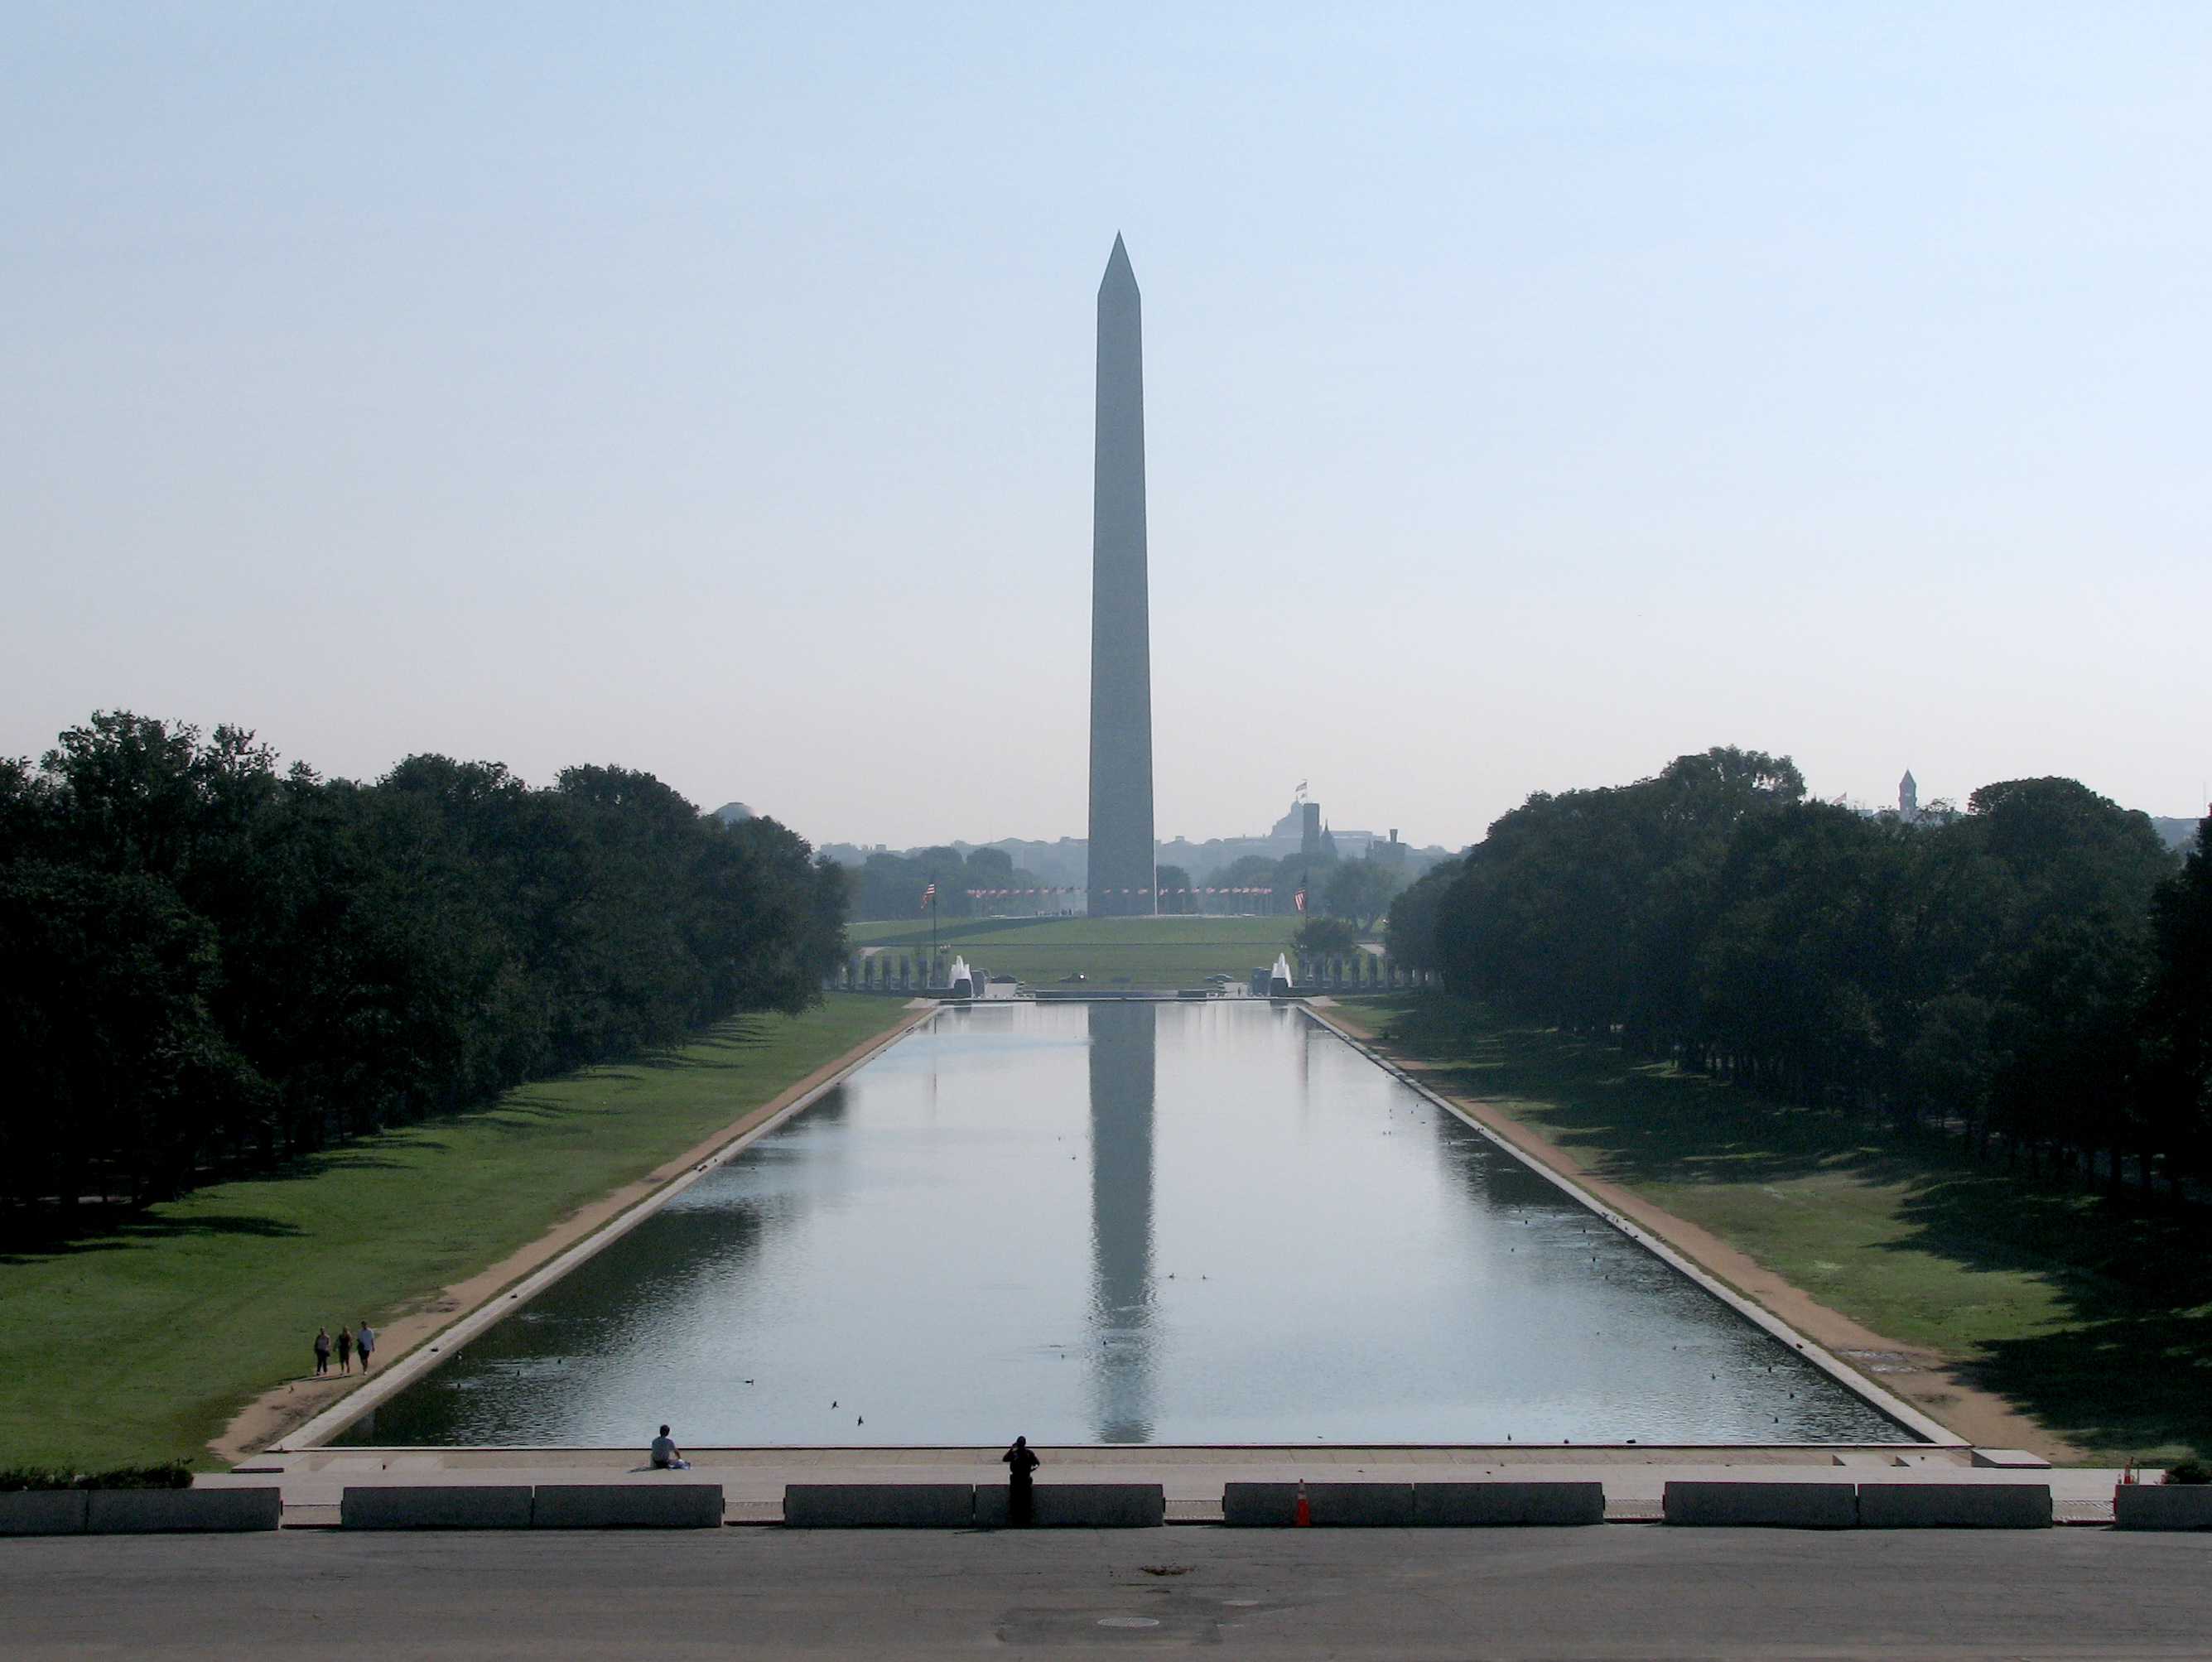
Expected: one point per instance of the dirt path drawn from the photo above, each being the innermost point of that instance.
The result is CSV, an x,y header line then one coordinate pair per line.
x,y
1928,1381
279,1409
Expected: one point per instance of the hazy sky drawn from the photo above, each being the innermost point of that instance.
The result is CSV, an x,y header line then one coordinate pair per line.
x,y
1536,392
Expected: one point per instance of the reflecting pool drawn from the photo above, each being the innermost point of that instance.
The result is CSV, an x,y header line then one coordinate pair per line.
x,y
1124,1223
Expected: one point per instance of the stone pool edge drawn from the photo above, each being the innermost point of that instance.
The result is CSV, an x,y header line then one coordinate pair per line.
x,y
1932,1432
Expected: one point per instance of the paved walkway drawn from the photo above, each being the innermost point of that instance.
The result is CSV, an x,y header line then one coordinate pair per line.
x,y
753,1479
1527,1595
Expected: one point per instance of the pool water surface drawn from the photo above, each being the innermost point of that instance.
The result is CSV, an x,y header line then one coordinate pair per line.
x,y
1124,1223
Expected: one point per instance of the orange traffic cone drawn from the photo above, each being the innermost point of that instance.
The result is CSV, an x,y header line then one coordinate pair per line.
x,y
1301,1514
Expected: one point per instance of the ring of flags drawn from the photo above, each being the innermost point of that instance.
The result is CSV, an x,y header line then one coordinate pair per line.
x,y
994,894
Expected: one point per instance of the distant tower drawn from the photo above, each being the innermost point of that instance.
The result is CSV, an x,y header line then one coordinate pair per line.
x,y
1122,848
1908,798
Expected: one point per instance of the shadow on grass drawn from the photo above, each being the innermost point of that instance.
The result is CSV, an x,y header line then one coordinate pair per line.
x,y
32,1240
38,1234
2129,1369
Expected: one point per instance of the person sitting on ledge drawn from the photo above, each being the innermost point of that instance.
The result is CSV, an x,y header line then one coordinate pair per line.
x,y
666,1457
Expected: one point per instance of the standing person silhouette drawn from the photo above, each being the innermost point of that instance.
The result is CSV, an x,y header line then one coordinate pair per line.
x,y
1020,1461
322,1350
345,1348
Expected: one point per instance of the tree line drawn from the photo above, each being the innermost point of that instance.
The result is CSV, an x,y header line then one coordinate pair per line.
x,y
1357,891
887,887
208,964
2034,972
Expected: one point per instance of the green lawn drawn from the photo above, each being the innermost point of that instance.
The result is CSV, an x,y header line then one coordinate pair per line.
x,y
140,1344
2096,1322
1146,951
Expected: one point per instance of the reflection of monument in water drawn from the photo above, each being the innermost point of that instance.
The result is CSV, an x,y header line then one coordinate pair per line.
x,y
1121,851
1121,1065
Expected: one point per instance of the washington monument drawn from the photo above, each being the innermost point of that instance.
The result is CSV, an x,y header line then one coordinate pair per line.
x,y
1121,625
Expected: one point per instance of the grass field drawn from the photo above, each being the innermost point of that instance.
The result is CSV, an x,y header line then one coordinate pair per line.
x,y
140,1343
2096,1322
1145,951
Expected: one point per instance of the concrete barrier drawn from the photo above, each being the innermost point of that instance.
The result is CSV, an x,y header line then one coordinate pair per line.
x,y
1763,1506
456,1506
1476,1505
879,1505
42,1512
1330,1506
1078,1506
1954,1505
627,1506
2162,1505
166,1511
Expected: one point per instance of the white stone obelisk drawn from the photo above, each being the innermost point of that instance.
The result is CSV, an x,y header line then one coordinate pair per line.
x,y
1121,874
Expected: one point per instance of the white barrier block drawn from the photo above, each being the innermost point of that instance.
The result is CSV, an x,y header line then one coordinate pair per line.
x,y
1329,1506
1078,1506
165,1511
1477,1505
879,1505
627,1506
446,1506
1763,1506
42,1512
2162,1505
1954,1505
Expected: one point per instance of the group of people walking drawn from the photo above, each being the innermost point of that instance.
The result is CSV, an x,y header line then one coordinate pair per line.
x,y
349,1344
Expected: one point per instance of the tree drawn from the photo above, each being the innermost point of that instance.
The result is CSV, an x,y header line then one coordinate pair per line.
x,y
122,1077
1358,889
1409,936
2066,1037
1325,937
1248,871
217,964
1171,889
2019,967
2177,1096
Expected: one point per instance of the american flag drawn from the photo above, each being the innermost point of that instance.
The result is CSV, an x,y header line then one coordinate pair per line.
x,y
929,894
1300,897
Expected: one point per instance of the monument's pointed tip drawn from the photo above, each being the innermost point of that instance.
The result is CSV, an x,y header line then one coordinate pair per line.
x,y
1118,275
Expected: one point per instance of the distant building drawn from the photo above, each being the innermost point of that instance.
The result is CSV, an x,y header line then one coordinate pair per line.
x,y
731,812
1908,798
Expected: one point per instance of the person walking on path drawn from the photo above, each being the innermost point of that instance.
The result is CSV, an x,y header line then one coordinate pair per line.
x,y
666,1457
345,1348
1021,1461
365,1342
322,1351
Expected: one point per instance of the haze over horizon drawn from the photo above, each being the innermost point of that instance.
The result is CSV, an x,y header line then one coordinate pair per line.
x,y
1532,395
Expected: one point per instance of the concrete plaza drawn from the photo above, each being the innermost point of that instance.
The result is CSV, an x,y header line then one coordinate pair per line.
x,y
1519,1595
